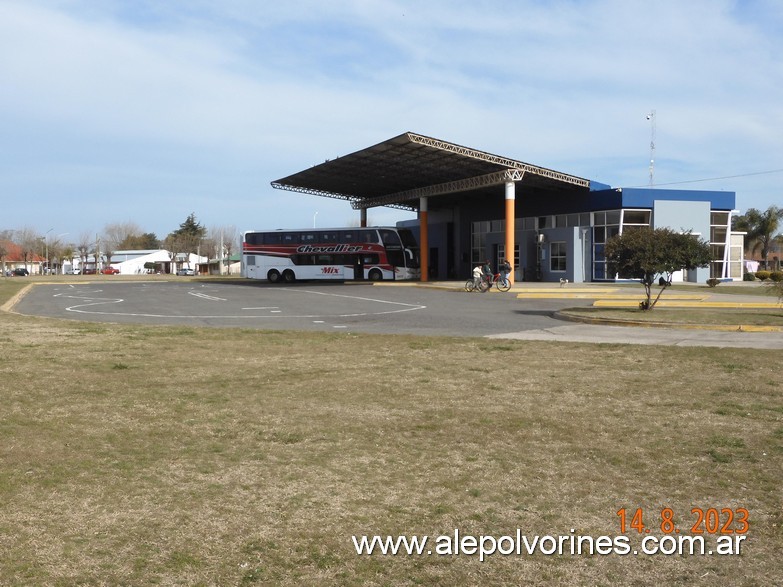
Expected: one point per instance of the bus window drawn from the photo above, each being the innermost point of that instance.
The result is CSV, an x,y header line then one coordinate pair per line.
x,y
290,238
390,239
371,259
307,238
270,238
348,237
331,236
303,259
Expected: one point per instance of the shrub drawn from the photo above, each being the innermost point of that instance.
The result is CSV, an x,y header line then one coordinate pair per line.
x,y
776,276
713,282
748,277
762,275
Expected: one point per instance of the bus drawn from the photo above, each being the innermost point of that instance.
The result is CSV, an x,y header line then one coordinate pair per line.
x,y
375,254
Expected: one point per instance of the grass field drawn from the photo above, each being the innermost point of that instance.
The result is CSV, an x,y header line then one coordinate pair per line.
x,y
139,455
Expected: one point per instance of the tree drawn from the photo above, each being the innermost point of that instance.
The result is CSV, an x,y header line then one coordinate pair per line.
x,y
136,242
223,241
761,229
188,235
29,242
84,247
648,254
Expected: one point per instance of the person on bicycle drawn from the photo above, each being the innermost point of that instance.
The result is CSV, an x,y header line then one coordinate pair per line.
x,y
487,273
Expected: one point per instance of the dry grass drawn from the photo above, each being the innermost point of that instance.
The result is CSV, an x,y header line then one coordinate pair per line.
x,y
142,455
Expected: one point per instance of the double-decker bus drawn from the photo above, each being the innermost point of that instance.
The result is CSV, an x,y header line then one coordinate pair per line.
x,y
377,253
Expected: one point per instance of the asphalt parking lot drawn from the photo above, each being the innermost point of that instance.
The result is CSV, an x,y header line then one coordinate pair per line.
x,y
301,306
349,307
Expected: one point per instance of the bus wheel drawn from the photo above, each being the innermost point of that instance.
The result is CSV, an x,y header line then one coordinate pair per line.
x,y
375,275
273,276
288,276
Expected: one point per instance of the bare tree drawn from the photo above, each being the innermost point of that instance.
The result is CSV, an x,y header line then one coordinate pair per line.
x,y
29,241
115,235
3,255
224,241
84,247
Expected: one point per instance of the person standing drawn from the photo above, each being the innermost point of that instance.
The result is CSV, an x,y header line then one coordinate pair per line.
x,y
505,270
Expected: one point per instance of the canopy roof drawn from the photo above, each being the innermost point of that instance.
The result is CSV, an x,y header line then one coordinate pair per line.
x,y
397,172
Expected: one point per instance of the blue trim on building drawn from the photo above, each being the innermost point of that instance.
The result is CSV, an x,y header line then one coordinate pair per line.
x,y
645,198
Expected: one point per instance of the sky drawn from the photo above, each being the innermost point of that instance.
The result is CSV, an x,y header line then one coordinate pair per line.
x,y
143,111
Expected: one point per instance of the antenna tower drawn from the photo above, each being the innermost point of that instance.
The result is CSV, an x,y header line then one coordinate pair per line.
x,y
651,118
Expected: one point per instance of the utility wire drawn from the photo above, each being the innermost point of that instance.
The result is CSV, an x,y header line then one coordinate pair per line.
x,y
715,178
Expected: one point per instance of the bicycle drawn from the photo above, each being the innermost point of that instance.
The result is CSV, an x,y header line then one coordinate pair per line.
x,y
500,281
471,285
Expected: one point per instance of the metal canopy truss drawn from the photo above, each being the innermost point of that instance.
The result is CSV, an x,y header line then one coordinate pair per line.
x,y
400,170
315,192
451,187
467,152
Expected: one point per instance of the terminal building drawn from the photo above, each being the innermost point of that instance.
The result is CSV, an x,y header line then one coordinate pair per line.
x,y
472,205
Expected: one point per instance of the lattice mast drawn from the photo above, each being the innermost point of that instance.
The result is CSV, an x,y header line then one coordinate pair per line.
x,y
651,118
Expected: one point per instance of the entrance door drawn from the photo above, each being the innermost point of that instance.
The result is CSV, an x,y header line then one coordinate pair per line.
x,y
358,267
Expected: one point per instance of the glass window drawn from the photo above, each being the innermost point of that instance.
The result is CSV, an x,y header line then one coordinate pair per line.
x,y
328,236
613,217
599,218
718,234
251,259
636,217
390,239
719,218
599,234
272,238
496,226
347,236
557,256
290,238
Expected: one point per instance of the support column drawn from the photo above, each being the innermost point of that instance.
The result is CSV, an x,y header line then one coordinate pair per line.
x,y
510,230
424,244
363,218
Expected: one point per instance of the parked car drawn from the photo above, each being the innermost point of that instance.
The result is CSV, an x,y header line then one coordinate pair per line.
x,y
88,272
110,271
186,271
21,272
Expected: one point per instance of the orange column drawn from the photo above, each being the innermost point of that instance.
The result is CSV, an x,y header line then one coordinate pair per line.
x,y
510,203
363,218
424,244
